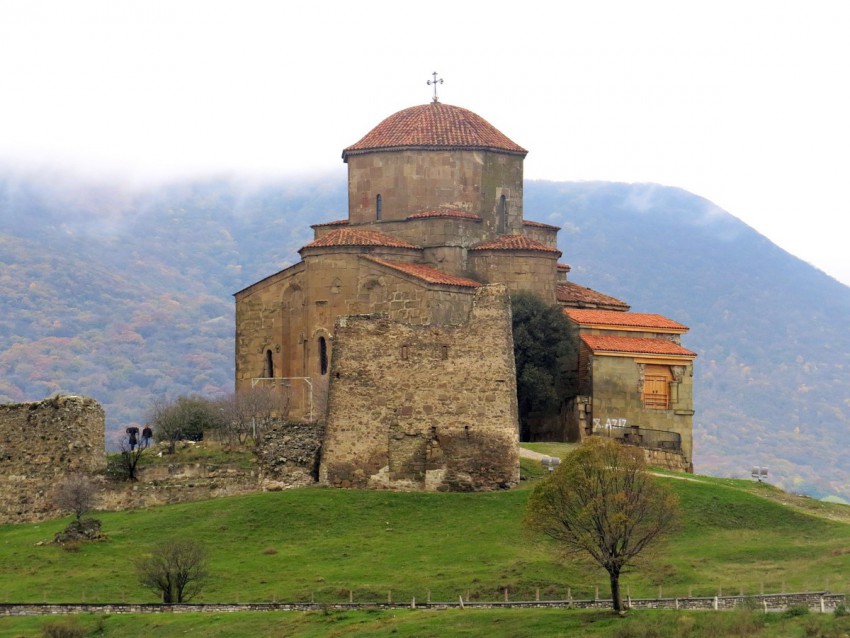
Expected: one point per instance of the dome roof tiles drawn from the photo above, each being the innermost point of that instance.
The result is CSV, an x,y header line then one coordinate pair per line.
x,y
434,126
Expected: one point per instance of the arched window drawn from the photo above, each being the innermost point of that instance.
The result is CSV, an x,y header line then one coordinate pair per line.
x,y
503,214
269,371
379,205
323,355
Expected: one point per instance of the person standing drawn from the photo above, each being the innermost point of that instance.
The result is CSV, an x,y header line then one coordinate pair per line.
x,y
133,434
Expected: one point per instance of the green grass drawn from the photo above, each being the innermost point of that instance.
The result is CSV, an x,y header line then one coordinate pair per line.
x,y
517,623
321,544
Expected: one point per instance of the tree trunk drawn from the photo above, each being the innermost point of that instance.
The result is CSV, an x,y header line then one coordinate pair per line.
x,y
615,591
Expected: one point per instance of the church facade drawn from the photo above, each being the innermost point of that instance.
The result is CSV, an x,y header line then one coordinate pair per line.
x,y
394,328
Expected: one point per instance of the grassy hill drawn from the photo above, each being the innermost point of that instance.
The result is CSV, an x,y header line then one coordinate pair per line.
x,y
322,544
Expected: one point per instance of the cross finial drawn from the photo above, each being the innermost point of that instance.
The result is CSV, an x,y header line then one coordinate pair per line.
x,y
435,82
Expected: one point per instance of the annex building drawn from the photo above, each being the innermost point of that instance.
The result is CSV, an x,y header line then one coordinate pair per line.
x,y
395,327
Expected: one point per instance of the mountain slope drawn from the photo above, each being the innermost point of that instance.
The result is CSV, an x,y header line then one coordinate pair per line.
x,y
126,296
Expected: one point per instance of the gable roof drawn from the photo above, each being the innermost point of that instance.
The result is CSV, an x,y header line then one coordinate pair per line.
x,y
434,126
626,320
610,344
427,274
528,222
352,237
515,242
337,222
572,294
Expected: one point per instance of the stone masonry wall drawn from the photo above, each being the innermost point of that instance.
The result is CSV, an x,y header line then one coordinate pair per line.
x,y
424,407
40,444
288,455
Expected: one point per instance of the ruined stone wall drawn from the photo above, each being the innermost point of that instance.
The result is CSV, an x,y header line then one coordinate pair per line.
x,y
288,455
416,181
424,407
40,444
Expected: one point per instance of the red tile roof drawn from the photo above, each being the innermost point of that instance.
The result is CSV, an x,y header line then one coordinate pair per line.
x,y
431,127
458,214
573,294
566,268
515,242
351,237
635,345
614,319
528,222
426,273
338,222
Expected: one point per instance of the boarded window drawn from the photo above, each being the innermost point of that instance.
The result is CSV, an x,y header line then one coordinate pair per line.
x,y
656,387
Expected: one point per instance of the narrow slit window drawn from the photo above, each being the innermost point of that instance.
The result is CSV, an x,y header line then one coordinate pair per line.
x,y
323,355
503,214
379,207
269,371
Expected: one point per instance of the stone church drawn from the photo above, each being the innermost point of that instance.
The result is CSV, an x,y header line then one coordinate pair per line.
x,y
394,328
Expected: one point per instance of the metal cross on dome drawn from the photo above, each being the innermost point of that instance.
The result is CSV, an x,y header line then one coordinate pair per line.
x,y
435,82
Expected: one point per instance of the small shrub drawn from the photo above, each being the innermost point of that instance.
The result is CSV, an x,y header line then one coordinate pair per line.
x,y
796,610
840,611
63,629
269,551
71,546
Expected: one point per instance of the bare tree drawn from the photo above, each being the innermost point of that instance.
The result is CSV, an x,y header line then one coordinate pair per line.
x,y
185,418
248,412
177,570
602,504
125,464
76,494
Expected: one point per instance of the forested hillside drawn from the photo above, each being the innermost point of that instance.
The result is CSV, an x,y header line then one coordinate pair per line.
x,y
127,296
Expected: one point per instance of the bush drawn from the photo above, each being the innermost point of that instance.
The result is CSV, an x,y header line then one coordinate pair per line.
x,y
796,610
63,629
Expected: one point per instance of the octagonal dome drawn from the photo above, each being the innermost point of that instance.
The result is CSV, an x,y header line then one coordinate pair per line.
x,y
434,126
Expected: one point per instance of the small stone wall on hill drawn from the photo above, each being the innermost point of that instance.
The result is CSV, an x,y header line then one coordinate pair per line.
x,y
288,455
178,483
816,601
40,444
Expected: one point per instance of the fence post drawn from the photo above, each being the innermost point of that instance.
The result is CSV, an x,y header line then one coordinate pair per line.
x,y
506,594
715,603
461,601
569,593
350,596
390,596
429,596
413,603
764,602
597,593
821,605
537,595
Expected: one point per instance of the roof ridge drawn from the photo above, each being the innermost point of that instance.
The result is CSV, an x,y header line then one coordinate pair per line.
x,y
425,272
358,237
514,242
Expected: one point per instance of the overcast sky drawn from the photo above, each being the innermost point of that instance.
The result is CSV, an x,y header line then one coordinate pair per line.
x,y
743,102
